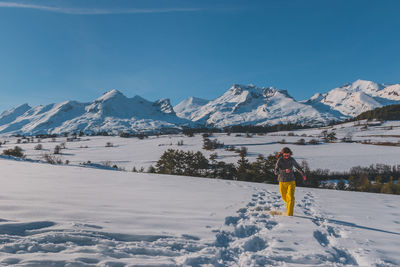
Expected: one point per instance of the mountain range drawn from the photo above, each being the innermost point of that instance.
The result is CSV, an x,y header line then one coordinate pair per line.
x,y
113,112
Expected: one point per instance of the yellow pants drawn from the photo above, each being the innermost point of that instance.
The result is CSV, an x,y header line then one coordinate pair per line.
x,y
287,194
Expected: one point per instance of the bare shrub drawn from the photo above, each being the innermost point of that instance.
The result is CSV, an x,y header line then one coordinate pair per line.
x,y
57,149
52,159
38,147
109,144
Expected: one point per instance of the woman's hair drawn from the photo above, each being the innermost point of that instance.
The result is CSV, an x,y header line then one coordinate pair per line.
x,y
284,150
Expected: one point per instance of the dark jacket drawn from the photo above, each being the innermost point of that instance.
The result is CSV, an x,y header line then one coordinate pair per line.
x,y
283,164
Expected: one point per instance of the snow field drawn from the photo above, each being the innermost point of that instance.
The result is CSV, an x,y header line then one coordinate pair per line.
x,y
71,216
129,152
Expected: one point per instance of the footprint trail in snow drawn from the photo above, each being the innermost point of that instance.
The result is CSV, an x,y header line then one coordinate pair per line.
x,y
253,236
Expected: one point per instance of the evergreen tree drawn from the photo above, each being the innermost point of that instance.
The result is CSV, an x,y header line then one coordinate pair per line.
x,y
243,167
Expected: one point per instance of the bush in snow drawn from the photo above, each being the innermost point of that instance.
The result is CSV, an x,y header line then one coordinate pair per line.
x,y
109,144
301,142
38,147
52,159
313,142
331,137
57,149
348,138
141,136
211,144
15,152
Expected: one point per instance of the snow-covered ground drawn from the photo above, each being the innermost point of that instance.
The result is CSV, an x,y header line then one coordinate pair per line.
x,y
74,216
130,152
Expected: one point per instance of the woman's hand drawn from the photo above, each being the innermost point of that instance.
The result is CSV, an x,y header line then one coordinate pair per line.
x,y
287,170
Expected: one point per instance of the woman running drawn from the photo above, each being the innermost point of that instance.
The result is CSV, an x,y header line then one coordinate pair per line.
x,y
287,182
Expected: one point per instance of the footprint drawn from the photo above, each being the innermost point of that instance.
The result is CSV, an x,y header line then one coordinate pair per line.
x,y
254,244
344,257
321,238
251,204
332,232
242,210
232,220
270,224
242,231
223,239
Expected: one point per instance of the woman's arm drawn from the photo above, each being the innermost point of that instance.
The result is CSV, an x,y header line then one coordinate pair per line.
x,y
277,168
298,168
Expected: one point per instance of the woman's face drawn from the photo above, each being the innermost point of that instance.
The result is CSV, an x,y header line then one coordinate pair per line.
x,y
286,155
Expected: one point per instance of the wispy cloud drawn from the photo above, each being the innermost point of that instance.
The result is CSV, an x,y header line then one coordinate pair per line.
x,y
96,11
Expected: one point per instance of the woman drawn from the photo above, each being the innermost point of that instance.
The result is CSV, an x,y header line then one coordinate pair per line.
x,y
287,181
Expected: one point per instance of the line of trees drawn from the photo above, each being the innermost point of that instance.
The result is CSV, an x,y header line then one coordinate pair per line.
x,y
179,162
386,113
377,178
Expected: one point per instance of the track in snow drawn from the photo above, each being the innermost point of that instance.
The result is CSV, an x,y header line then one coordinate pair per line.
x,y
251,237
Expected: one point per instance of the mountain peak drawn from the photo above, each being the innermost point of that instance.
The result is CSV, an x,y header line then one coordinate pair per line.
x,y
364,86
111,94
24,106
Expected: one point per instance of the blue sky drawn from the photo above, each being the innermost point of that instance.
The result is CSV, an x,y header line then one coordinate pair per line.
x,y
54,50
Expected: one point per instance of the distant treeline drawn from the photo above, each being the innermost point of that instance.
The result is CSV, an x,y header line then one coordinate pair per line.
x,y
265,129
387,113
246,129
377,178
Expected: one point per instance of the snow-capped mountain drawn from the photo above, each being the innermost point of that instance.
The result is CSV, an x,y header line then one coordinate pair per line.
x,y
189,106
112,112
352,99
251,105
10,115
240,105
